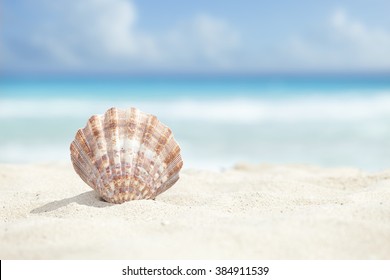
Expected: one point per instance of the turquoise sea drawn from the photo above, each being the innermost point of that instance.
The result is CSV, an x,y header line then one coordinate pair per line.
x,y
218,121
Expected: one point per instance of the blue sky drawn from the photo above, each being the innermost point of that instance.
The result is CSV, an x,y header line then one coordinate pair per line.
x,y
221,36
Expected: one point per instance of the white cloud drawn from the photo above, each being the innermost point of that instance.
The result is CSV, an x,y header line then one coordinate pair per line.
x,y
106,35
215,36
369,45
93,34
346,44
201,42
86,32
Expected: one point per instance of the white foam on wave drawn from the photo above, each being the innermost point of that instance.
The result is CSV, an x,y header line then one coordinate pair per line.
x,y
29,153
217,132
231,109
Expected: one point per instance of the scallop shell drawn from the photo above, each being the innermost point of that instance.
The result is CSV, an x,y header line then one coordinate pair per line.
x,y
126,155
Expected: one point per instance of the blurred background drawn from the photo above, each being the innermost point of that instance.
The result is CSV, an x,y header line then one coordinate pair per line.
x,y
237,81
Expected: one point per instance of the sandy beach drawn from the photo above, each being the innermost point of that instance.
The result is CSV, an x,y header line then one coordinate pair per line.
x,y
247,212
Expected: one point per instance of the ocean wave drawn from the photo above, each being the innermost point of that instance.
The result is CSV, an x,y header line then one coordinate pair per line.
x,y
217,132
231,109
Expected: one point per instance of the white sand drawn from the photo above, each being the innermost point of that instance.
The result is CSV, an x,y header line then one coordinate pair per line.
x,y
251,212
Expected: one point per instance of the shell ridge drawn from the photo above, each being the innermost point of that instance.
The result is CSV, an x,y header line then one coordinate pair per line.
x,y
129,126
139,169
110,136
164,153
134,151
78,161
124,148
82,155
169,183
173,167
80,170
148,142
83,171
122,145
170,148
161,142
99,145
75,150
139,120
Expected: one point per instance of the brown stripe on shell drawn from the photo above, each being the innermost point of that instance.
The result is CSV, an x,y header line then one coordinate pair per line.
x,y
161,136
94,133
172,169
141,161
122,131
170,149
140,121
148,154
111,135
129,132
82,156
